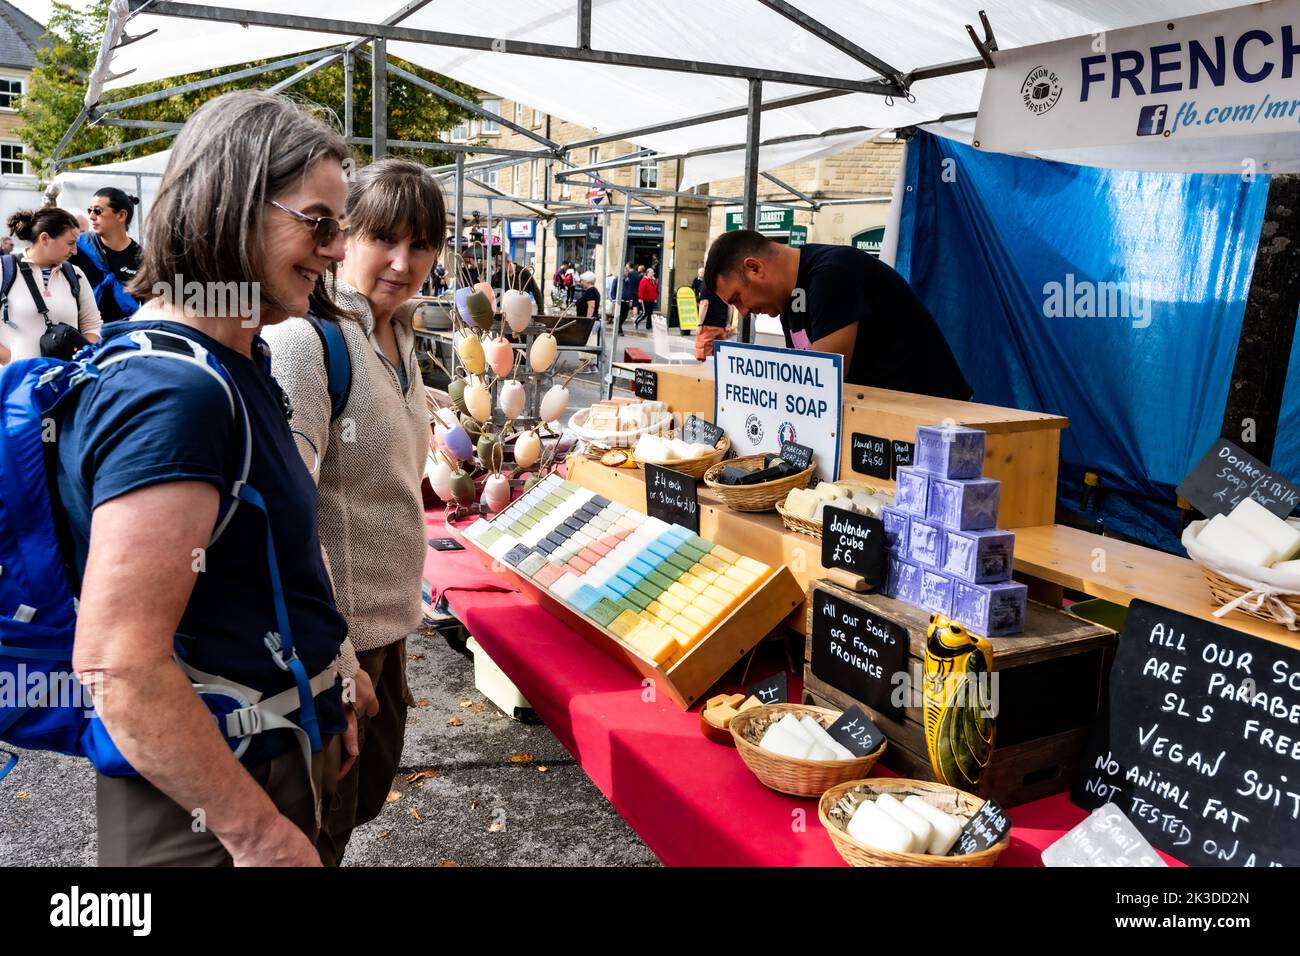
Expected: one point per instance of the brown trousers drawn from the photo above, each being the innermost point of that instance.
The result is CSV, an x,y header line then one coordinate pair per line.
x,y
139,825
360,795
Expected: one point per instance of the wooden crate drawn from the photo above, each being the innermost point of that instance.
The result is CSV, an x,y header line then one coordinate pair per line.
x,y
689,678
1049,684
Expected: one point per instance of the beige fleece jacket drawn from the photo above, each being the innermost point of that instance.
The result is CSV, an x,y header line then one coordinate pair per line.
x,y
371,460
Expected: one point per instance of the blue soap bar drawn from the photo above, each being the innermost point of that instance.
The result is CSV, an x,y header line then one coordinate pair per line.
x,y
627,575
990,610
585,598
896,528
950,452
620,586
641,565
912,491
903,580
979,557
964,504
936,592
661,548
925,544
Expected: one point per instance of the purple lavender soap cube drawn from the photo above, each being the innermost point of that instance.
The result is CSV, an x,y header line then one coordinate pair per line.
x,y
990,610
961,504
950,452
912,491
936,592
925,544
903,581
978,557
896,528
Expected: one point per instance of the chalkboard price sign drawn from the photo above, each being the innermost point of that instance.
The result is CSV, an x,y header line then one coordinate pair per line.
x,y
672,497
984,830
800,456
646,384
1198,742
696,429
903,454
853,542
773,690
870,455
857,651
855,731
1227,475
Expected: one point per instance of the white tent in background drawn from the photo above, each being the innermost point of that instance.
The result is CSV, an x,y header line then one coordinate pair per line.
x,y
74,189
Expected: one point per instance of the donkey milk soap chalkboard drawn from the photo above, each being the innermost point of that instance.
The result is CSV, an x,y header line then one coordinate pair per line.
x,y
1227,475
1199,741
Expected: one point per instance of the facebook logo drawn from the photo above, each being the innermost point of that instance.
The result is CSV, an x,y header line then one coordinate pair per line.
x,y
1151,121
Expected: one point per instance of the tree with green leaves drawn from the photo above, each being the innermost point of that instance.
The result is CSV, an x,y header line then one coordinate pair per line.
x,y
58,88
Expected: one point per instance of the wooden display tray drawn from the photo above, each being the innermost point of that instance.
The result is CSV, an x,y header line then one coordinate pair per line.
x,y
690,677
1050,682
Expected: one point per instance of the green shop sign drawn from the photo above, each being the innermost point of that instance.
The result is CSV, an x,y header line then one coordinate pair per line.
x,y
869,240
774,221
798,236
646,229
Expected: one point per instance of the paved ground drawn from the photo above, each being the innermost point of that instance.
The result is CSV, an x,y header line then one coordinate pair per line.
x,y
488,791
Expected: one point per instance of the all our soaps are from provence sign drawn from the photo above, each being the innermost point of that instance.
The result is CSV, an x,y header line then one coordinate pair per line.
x,y
1229,74
766,396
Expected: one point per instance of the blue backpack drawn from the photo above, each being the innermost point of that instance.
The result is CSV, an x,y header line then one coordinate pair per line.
x,y
43,706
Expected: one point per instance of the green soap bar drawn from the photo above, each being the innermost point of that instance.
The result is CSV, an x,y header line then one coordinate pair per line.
x,y
624,604
638,599
489,537
646,591
680,564
661,580
532,564
604,611
599,523
693,550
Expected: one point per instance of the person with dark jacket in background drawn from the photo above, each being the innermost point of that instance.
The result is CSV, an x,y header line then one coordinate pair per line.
x,y
108,255
631,281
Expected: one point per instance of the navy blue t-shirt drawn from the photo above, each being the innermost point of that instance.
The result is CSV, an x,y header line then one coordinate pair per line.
x,y
147,421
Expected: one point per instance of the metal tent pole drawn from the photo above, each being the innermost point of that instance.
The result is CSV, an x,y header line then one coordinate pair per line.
x,y
608,371
349,80
379,99
751,180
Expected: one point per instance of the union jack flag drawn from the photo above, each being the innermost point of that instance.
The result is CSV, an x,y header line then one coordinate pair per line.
x,y
596,194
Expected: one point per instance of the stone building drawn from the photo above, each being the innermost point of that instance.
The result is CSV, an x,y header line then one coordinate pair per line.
x,y
20,37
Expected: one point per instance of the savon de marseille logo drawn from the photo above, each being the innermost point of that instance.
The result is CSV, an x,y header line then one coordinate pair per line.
x,y
1041,90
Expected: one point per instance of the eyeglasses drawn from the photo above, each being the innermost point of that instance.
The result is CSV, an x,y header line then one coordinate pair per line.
x,y
324,230
96,211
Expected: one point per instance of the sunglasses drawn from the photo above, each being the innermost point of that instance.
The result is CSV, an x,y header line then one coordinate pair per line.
x,y
98,211
324,230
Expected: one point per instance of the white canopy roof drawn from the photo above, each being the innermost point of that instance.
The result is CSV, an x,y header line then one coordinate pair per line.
x,y
609,99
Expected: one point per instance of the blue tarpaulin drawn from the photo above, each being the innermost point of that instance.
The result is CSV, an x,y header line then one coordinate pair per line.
x,y
1113,298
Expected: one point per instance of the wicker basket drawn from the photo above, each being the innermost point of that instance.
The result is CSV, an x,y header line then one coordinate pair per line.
x,y
838,803
760,497
1265,594
811,526
799,778
627,439
1226,591
696,467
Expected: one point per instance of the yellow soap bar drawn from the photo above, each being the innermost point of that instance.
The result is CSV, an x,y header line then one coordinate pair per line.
x,y
663,615
758,568
671,601
709,606
653,608
688,627
684,640
713,562
724,554
653,642
681,592
691,581
625,623
693,613
746,579
729,586
704,573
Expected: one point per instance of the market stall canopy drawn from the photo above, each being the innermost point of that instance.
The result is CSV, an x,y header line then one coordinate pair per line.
x,y
475,201
74,189
898,38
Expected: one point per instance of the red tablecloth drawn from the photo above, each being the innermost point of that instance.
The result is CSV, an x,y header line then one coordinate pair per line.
x,y
693,802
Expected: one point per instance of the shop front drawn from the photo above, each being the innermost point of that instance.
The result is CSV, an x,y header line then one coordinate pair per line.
x,y
522,235
576,240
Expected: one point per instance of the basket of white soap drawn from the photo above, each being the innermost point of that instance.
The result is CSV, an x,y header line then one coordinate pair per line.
x,y
803,507
690,458
1249,559
889,821
790,750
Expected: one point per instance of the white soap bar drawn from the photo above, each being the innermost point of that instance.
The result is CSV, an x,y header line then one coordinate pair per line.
x,y
791,723
872,826
824,739
819,752
801,502
781,742
1254,518
918,825
945,828
1288,567
826,491
1231,541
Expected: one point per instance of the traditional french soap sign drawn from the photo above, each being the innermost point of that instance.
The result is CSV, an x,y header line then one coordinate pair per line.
x,y
857,651
1227,475
672,497
1197,742
767,396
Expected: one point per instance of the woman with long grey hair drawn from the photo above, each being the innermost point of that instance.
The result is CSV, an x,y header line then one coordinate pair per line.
x,y
196,592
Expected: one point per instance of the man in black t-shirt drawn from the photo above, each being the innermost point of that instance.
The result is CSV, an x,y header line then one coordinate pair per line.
x,y
839,299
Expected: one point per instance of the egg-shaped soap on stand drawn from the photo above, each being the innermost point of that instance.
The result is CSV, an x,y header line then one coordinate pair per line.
x,y
517,307
496,492
528,448
462,487
480,309
500,355
472,427
478,401
512,398
462,303
456,392
469,347
458,443
438,472
542,355
490,452
554,403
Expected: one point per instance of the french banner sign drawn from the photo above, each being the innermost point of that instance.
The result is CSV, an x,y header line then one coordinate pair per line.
x,y
1226,74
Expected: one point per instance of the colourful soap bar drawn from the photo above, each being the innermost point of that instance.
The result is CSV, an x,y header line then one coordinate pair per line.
x,y
713,563
990,610
936,592
679,563
532,564
672,601
637,599
912,491
925,544
724,554
604,612
548,575
897,523
689,580
585,598
964,504
653,642
660,580
979,557
904,580
950,452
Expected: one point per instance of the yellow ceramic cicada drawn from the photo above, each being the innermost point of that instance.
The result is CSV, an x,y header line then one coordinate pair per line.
x,y
959,716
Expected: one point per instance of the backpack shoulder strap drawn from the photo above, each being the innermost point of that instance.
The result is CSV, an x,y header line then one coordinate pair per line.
x,y
74,280
338,364
9,269
25,268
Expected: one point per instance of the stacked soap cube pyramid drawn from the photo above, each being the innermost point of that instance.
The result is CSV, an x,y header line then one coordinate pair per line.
x,y
945,553
657,586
